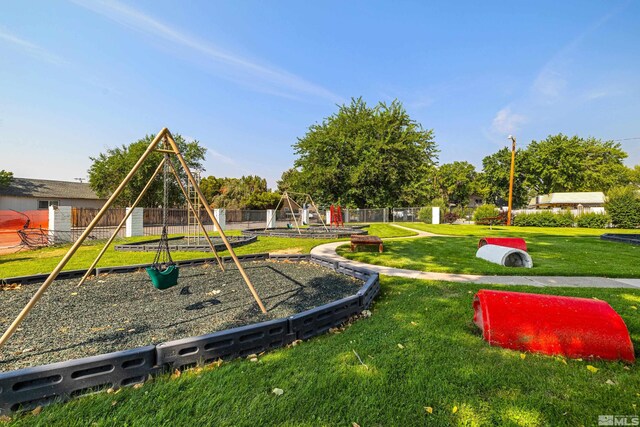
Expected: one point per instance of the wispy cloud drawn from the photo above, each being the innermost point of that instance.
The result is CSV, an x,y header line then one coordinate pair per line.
x,y
506,121
549,85
237,68
29,48
221,157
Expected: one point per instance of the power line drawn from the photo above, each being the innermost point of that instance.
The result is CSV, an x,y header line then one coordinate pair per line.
x,y
626,139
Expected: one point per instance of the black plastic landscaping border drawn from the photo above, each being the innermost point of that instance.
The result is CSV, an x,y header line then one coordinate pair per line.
x,y
336,233
152,245
25,389
633,239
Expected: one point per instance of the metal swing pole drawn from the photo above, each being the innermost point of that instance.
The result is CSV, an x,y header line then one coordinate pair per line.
x,y
203,200
124,220
36,297
196,214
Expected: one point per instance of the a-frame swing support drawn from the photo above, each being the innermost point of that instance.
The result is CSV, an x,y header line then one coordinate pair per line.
x,y
172,149
307,198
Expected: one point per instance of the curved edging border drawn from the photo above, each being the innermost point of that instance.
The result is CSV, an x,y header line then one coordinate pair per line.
x,y
25,389
633,239
152,245
290,233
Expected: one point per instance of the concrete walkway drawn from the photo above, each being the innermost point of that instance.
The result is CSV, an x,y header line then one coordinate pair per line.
x,y
328,250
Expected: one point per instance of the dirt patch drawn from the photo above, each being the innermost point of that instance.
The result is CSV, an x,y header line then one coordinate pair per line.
x,y
288,251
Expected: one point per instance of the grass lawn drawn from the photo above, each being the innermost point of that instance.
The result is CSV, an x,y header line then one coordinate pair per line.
x,y
385,231
44,260
442,363
555,251
496,231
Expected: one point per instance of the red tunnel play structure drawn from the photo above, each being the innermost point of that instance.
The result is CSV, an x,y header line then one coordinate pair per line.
x,y
573,327
509,242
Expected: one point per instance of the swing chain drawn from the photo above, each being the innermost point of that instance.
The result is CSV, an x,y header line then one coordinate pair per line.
x,y
163,255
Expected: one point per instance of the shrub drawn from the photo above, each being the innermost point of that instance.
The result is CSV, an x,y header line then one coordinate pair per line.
x,y
593,220
485,211
450,217
623,205
425,214
544,219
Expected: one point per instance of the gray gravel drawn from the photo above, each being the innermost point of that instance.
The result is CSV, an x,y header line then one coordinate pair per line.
x,y
122,311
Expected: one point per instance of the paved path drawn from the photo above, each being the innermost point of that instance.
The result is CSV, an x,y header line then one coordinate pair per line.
x,y
328,250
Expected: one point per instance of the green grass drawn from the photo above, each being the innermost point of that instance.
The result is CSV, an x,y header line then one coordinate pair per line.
x,y
44,260
484,230
385,231
552,256
444,364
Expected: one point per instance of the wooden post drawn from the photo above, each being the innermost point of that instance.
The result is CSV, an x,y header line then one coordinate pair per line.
x,y
513,164
27,308
122,223
293,213
197,215
184,165
318,212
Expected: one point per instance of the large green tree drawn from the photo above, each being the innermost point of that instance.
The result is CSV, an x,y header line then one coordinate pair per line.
x,y
111,167
291,181
5,177
556,164
494,179
634,175
363,156
561,163
248,192
456,182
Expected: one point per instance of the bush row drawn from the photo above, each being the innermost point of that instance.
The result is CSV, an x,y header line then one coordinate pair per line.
x,y
564,219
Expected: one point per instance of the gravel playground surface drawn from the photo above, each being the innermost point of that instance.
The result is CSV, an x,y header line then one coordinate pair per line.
x,y
123,311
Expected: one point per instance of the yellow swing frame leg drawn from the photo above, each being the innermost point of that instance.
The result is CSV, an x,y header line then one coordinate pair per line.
x,y
164,133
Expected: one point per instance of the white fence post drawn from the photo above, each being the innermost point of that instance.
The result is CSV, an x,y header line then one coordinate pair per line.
x,y
59,224
134,225
221,216
271,218
435,215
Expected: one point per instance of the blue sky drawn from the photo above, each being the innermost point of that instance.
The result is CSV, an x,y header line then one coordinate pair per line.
x,y
246,78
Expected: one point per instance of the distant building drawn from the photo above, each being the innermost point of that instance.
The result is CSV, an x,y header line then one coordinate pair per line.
x,y
25,194
475,200
593,199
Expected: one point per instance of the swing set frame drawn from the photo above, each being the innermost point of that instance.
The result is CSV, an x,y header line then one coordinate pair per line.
x,y
162,143
307,200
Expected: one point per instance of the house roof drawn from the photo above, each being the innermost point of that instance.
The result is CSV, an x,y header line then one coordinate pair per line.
x,y
47,189
591,198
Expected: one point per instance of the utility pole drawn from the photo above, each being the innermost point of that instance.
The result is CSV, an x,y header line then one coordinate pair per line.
x,y
513,165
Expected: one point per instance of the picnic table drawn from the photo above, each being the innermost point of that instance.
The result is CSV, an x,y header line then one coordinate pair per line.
x,y
365,240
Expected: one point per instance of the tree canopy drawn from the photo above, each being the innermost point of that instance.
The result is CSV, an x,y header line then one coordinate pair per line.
x,y
457,182
494,180
363,156
561,163
5,177
248,192
110,168
556,164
